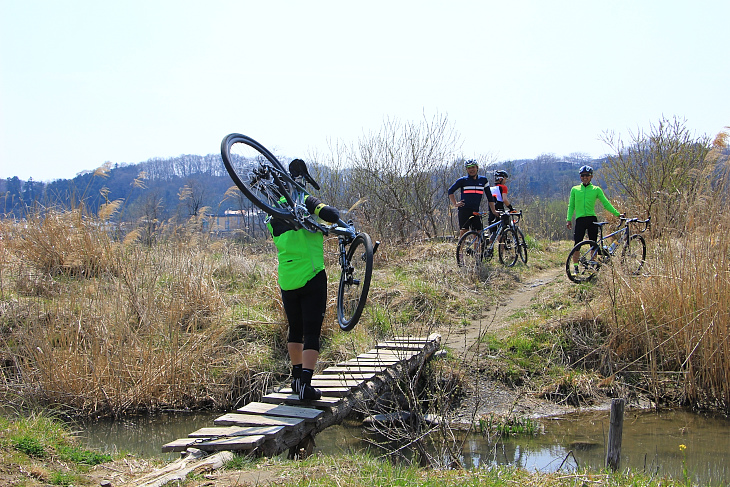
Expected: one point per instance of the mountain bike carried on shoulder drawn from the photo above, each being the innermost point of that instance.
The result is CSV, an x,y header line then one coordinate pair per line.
x,y
587,257
476,246
272,189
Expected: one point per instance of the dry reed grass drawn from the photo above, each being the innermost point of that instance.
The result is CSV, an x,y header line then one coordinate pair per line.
x,y
98,326
675,321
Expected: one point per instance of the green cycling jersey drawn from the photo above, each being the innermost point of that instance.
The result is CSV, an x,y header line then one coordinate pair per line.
x,y
300,252
583,201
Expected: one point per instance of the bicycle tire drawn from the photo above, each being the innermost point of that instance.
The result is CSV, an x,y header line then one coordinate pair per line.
x,y
355,281
590,259
256,189
633,254
522,245
469,250
509,248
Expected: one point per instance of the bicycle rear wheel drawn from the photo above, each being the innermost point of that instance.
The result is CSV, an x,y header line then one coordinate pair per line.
x,y
522,245
266,180
469,250
355,281
633,255
590,258
508,248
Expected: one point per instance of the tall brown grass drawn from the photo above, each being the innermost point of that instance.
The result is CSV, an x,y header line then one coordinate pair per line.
x,y
673,323
101,326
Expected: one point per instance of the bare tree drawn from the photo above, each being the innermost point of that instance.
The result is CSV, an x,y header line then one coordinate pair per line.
x,y
402,173
663,173
193,195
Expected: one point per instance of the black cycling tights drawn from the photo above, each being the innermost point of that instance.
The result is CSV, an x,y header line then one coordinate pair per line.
x,y
305,308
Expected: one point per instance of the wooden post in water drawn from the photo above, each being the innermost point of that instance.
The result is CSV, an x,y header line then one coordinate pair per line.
x,y
615,432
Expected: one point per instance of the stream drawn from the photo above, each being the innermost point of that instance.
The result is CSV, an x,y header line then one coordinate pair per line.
x,y
651,442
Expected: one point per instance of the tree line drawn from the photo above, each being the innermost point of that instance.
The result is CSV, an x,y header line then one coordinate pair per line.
x,y
392,182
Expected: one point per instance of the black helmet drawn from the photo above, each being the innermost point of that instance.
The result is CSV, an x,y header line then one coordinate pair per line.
x,y
500,173
470,162
586,170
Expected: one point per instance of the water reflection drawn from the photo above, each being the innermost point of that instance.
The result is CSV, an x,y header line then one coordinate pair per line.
x,y
650,442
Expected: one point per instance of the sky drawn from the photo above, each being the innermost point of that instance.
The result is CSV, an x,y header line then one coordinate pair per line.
x,y
83,82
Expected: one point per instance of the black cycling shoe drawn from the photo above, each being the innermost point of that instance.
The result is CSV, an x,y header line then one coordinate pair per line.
x,y
309,393
295,386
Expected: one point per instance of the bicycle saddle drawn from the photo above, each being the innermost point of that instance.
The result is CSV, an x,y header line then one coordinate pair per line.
x,y
298,168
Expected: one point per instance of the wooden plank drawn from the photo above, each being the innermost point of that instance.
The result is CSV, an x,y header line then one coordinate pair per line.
x,y
268,431
232,443
358,369
326,392
307,414
333,381
293,399
257,420
181,444
218,444
412,339
363,376
373,360
387,354
367,363
399,346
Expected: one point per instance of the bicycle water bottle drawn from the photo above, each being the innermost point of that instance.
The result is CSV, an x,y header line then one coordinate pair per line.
x,y
612,247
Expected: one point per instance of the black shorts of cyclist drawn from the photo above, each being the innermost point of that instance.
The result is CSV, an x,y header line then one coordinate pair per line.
x,y
585,224
468,220
305,308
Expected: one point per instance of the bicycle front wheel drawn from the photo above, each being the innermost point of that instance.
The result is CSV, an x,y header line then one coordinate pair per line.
x,y
469,250
585,260
509,248
266,178
633,255
355,281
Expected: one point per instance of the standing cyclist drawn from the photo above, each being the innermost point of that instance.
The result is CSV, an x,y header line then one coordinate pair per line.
x,y
303,284
582,203
472,188
499,193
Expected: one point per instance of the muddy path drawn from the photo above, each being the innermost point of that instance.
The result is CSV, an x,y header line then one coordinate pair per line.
x,y
486,396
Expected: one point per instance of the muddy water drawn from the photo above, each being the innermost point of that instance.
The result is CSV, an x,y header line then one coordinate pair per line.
x,y
651,442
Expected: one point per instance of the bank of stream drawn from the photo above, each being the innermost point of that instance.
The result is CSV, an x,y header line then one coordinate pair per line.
x,y
651,442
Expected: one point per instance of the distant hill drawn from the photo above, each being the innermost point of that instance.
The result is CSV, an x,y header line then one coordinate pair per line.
x,y
154,187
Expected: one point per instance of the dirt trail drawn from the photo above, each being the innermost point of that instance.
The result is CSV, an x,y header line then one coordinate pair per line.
x,y
490,396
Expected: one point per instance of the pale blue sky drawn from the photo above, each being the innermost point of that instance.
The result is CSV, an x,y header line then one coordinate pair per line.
x,y
88,81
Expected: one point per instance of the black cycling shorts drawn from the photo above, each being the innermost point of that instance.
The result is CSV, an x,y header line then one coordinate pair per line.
x,y
305,308
468,220
585,224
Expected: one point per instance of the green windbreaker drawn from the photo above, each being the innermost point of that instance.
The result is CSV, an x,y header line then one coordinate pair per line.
x,y
583,201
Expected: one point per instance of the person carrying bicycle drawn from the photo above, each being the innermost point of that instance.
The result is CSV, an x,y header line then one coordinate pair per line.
x,y
499,193
471,188
582,204
303,284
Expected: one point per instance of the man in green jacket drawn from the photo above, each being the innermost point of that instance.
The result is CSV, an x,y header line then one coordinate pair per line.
x,y
303,284
582,204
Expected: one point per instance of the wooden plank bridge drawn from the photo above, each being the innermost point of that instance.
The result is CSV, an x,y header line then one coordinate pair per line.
x,y
281,422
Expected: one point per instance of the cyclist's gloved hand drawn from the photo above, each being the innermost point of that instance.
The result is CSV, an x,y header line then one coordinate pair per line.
x,y
325,212
510,208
